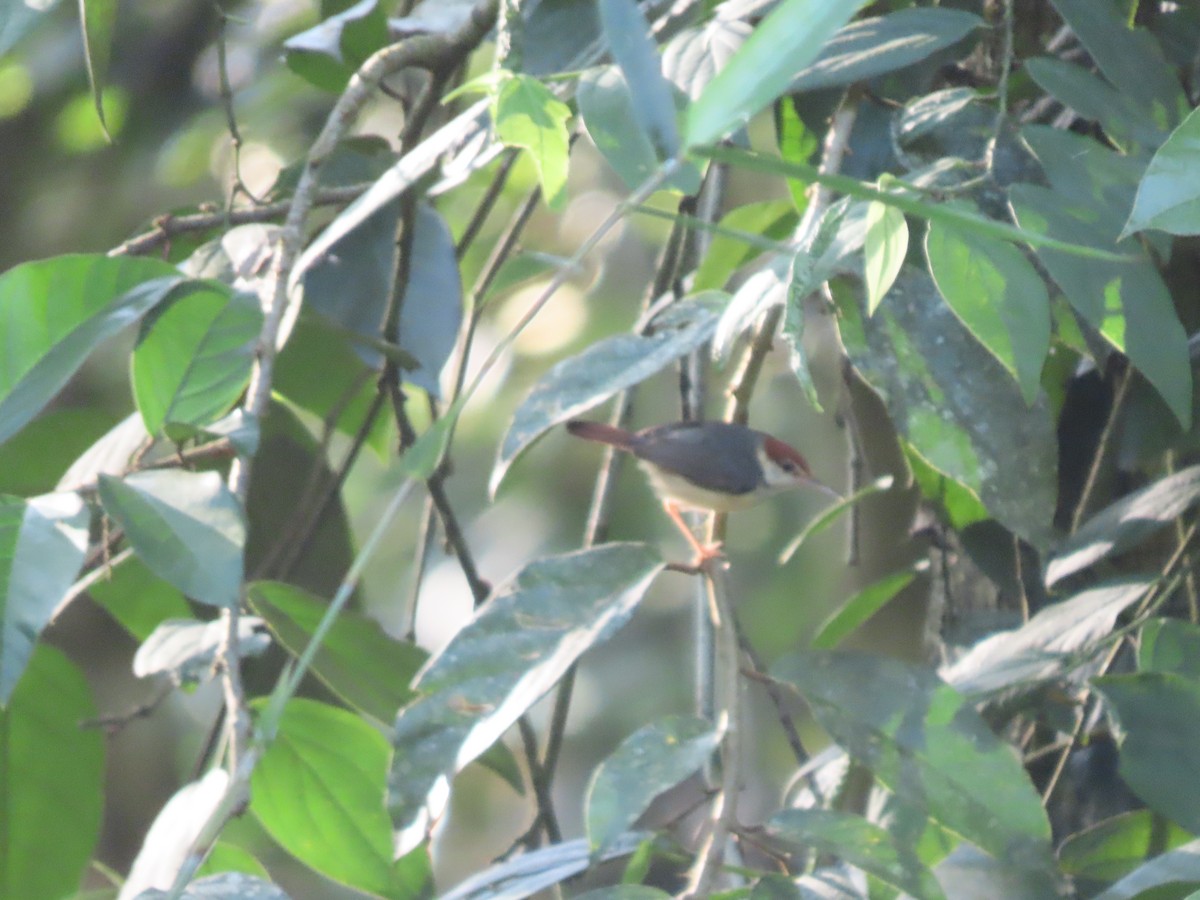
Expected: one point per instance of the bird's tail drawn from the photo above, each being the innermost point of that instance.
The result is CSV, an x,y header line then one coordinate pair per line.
x,y
604,434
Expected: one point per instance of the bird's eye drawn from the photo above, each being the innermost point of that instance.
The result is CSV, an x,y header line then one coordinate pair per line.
x,y
788,466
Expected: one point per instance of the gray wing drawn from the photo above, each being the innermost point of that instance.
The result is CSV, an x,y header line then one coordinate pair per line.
x,y
709,454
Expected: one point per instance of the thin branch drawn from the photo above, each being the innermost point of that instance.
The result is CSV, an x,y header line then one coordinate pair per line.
x,y
1102,447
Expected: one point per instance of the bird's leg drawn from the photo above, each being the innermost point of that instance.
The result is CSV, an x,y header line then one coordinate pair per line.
x,y
704,552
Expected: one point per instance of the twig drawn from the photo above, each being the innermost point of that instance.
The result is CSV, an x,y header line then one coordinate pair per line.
x,y
1101,447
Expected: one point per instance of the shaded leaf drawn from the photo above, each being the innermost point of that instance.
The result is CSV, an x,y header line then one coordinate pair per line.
x,y
1114,847
1160,748
869,48
693,57
43,542
998,295
1121,116
318,790
654,758
859,608
54,313
790,37
515,649
327,54
607,366
1167,198
110,455
49,765
357,660
185,648
186,526
193,356
1169,645
1056,639
138,599
636,53
859,842
529,116
929,746
1126,523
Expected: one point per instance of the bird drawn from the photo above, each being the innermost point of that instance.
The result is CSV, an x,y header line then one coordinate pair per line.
x,y
717,466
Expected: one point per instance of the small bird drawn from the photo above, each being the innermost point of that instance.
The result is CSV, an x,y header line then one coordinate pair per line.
x,y
717,466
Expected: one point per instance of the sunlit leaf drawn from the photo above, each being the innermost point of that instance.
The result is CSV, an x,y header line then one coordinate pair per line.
x,y
1114,847
528,115
884,247
185,649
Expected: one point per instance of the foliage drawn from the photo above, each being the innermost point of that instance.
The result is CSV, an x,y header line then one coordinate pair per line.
x,y
968,229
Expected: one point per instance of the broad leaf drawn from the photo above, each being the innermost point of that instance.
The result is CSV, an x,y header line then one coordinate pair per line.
x,y
1169,645
186,526
1055,640
1176,871
529,116
138,599
654,758
185,649
193,356
1121,116
925,742
607,366
884,247
859,842
998,295
1167,198
1160,748
327,54
43,541
357,660
1114,847
872,47
51,780
789,38
515,649
636,53
1126,523
318,790
695,55
55,312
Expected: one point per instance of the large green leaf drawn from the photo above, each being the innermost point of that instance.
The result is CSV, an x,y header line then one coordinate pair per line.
x,y
43,541
357,660
515,649
998,295
53,314
1160,750
327,54
607,366
1175,873
784,42
1126,523
186,526
635,52
859,842
51,780
529,116
926,743
193,356
1114,847
872,47
1168,197
654,758
1170,645
319,791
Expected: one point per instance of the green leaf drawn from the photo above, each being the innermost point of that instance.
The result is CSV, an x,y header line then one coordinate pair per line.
x,y
1114,847
138,599
884,249
929,746
43,542
859,608
1169,645
327,54
773,219
527,115
654,758
1127,302
55,312
606,104
97,18
796,144
33,460
998,295
960,504
790,37
869,48
580,382
186,526
51,780
860,843
830,514
357,660
1160,748
319,789
225,857
1057,639
635,52
1126,523
515,649
1168,197
193,356
1175,872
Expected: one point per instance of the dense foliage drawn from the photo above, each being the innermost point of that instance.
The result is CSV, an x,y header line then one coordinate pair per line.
x,y
947,249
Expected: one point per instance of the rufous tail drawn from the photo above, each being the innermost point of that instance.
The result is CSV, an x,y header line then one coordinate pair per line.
x,y
604,434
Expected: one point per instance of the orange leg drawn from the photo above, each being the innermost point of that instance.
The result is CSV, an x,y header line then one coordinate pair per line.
x,y
703,552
